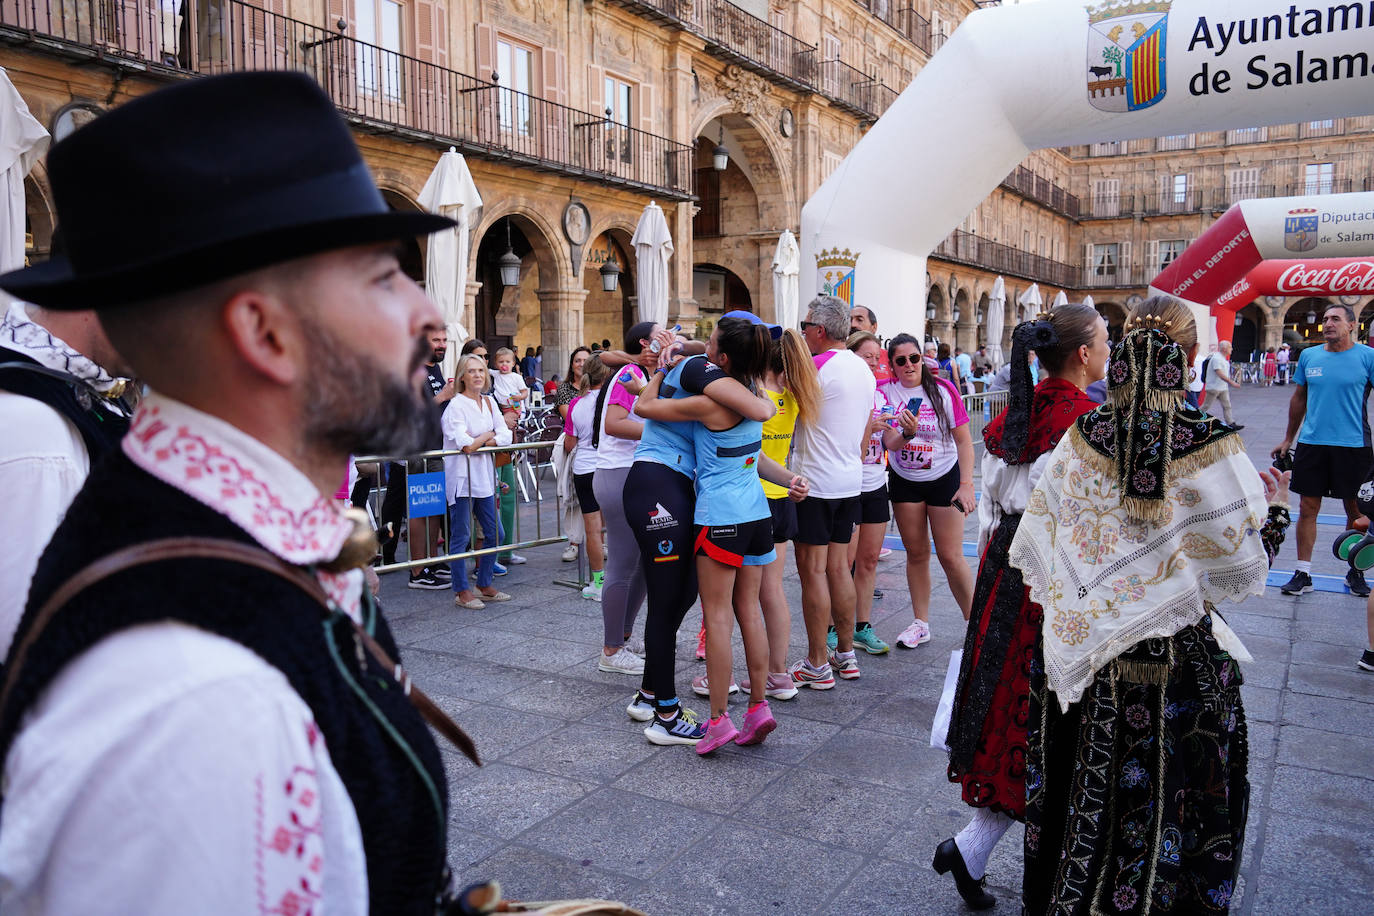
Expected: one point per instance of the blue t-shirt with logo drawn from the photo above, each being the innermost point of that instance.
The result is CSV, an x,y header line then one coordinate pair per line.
x,y
1338,386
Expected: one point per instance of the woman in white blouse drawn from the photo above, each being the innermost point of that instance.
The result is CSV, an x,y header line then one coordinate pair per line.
x,y
472,420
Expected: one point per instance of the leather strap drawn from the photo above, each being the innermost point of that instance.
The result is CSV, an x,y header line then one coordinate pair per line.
x,y
246,555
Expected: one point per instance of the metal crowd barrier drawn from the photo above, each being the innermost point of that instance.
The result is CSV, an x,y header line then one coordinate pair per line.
x,y
982,407
426,493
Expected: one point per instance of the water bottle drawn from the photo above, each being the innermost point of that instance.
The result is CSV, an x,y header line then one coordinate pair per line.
x,y
655,346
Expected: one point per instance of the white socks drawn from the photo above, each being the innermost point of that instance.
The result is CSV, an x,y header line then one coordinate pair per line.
x,y
1303,566
977,840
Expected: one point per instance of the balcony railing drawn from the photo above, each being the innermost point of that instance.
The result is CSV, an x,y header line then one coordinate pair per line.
x,y
849,88
376,88
1038,188
899,14
1113,277
968,248
738,36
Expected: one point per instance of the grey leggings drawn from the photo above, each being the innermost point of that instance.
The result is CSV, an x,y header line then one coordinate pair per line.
x,y
622,587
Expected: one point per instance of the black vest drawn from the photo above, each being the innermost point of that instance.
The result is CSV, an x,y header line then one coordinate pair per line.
x,y
393,772
101,426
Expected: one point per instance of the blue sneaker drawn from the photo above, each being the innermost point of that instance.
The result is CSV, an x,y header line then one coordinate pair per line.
x,y
499,570
641,708
832,639
867,639
686,728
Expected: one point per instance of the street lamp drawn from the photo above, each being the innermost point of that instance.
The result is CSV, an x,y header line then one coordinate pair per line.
x,y
720,156
930,312
1238,319
956,314
610,275
1311,317
509,262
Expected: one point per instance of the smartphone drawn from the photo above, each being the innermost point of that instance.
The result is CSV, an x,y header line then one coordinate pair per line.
x,y
914,405
957,503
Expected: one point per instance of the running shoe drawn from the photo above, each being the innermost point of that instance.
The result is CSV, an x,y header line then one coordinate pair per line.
x,y
701,645
703,689
1300,584
570,553
914,635
634,644
427,580
621,662
442,573
803,675
884,553
832,638
866,638
758,724
847,668
641,708
719,732
779,686
1367,661
516,560
1354,580
497,570
592,592
685,728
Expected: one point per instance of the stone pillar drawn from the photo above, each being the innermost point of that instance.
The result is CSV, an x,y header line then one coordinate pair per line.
x,y
682,306
560,319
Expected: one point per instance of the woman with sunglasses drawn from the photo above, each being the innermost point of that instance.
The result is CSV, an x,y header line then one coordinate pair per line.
x,y
930,480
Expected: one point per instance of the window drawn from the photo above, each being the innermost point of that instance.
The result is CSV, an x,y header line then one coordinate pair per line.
x,y
1173,193
515,65
1109,148
830,76
1248,135
1318,176
1169,249
1105,260
379,47
706,223
1106,199
829,163
971,222
618,102
1242,184
1175,142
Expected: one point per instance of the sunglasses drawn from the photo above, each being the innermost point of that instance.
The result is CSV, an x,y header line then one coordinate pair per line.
x,y
808,324
900,361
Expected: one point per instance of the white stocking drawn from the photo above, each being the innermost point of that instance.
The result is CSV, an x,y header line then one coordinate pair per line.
x,y
976,841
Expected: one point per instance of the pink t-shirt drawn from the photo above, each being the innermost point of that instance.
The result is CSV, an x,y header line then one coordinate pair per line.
x,y
931,454
875,456
614,452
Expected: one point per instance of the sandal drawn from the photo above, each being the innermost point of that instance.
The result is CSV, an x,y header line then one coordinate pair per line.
x,y
472,604
498,596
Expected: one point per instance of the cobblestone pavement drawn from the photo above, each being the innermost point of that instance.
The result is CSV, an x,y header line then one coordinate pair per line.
x,y
840,810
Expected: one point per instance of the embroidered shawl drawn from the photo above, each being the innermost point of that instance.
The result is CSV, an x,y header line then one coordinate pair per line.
x,y
1054,406
1147,510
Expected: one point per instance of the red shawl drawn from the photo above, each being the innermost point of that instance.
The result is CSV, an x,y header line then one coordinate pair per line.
x,y
1055,405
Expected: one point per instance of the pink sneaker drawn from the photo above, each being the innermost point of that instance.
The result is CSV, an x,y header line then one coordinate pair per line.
x,y
718,732
758,723
702,687
779,686
701,644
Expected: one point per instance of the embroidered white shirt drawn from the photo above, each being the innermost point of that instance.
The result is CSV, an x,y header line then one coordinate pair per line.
x,y
169,770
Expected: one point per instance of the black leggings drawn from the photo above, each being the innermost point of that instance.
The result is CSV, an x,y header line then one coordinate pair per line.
x,y
658,505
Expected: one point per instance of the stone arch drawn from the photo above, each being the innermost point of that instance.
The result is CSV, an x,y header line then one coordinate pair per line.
x,y
980,336
414,251
1296,327
39,216
935,307
964,327
1115,313
514,316
781,186
1250,333
607,315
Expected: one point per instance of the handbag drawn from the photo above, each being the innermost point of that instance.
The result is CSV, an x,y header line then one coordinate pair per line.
x,y
939,730
498,459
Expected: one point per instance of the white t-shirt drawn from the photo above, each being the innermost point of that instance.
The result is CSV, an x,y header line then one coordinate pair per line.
x,y
463,421
614,452
1215,369
579,423
931,454
875,456
829,451
1198,381
506,389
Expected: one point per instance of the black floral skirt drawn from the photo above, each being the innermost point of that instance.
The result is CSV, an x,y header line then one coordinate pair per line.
x,y
1137,796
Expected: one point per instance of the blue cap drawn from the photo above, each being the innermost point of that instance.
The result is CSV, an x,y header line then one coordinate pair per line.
x,y
775,330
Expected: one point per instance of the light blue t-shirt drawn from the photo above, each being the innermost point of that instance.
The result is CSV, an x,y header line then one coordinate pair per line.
x,y
965,364
1338,386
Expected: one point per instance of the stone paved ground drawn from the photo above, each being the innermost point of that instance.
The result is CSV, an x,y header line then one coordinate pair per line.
x,y
839,811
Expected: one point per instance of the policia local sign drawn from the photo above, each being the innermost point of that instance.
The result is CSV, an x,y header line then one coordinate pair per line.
x,y
1058,73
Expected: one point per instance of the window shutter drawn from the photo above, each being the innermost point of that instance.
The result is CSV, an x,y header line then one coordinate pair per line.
x,y
1088,265
424,30
550,67
441,34
646,107
1123,267
486,53
1152,256
596,89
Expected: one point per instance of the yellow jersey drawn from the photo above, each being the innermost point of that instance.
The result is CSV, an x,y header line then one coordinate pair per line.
x,y
777,435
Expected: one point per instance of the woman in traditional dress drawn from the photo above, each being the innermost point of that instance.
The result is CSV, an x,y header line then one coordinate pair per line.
x,y
1148,515
987,734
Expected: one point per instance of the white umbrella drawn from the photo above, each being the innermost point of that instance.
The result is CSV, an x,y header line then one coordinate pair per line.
x,y
450,192
22,141
1060,299
1028,298
1088,301
997,310
653,247
786,283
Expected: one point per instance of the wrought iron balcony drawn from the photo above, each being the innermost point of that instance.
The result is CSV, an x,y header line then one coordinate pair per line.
x,y
737,36
967,248
1040,189
378,90
853,89
899,14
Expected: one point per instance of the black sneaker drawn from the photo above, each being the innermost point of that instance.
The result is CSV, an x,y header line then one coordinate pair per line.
x,y
877,593
1367,660
442,573
1300,584
427,580
1354,580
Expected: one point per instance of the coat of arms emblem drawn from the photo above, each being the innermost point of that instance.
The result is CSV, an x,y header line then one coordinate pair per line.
x,y
835,270
1126,54
1300,229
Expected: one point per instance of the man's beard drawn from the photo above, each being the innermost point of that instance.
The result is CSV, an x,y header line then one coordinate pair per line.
x,y
352,405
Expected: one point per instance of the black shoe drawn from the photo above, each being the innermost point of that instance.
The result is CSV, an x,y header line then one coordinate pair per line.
x,y
877,593
1367,660
427,580
442,573
1300,584
1354,580
947,859
1237,426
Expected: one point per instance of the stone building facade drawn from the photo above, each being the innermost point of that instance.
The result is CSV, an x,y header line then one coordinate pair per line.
x,y
573,116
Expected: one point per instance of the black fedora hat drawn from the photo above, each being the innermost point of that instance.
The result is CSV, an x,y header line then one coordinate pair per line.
x,y
202,181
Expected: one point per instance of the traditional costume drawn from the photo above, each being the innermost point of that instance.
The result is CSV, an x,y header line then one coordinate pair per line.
x,y
1148,515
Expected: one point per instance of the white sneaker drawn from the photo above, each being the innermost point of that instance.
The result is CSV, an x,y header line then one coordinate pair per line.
x,y
570,553
621,662
914,635
592,592
635,646
516,560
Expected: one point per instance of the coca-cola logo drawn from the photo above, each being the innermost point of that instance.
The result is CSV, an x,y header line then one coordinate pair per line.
x,y
1351,277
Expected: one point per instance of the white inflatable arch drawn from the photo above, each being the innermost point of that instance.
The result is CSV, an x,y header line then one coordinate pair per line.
x,y
1013,79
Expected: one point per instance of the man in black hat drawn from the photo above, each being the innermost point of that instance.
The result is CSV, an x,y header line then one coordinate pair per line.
x,y
199,711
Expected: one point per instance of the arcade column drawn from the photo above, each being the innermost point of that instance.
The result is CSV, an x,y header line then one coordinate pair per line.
x,y
560,320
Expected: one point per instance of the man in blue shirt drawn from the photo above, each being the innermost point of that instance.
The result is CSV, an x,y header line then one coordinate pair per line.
x,y
1333,454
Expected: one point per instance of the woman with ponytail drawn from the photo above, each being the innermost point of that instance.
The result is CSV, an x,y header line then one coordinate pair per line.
x,y
987,733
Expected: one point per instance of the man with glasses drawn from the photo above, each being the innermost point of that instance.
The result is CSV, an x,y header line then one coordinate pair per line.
x,y
1333,454
829,455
